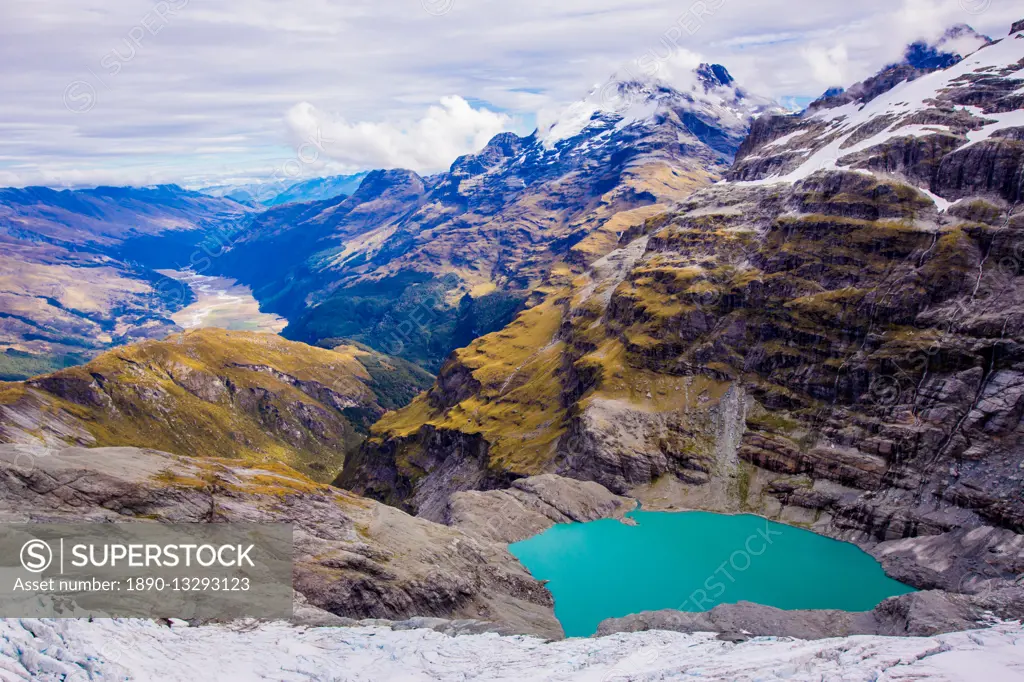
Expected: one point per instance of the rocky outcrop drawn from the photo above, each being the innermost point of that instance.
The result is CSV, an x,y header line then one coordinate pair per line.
x,y
446,446
532,505
974,561
918,614
353,557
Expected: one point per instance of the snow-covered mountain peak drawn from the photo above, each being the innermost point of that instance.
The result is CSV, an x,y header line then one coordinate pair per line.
x,y
714,76
707,91
919,57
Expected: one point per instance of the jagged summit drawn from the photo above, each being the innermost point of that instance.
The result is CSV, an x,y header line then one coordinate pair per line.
x,y
919,58
956,43
705,95
714,75
833,91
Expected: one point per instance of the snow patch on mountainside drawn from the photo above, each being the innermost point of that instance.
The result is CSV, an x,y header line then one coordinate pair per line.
x,y
901,103
941,204
1003,120
78,650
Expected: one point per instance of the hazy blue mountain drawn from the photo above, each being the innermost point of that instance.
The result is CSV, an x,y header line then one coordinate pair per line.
x,y
285,192
317,189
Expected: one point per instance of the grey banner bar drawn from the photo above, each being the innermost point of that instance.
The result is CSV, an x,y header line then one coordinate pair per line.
x,y
200,571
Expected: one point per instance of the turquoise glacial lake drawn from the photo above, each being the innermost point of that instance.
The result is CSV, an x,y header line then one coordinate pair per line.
x,y
693,561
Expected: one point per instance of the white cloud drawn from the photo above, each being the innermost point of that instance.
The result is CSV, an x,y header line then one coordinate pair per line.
x,y
223,69
677,68
829,65
920,19
427,144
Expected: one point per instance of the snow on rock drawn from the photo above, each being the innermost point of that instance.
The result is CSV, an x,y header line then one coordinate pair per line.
x,y
1002,120
833,137
78,650
941,204
707,91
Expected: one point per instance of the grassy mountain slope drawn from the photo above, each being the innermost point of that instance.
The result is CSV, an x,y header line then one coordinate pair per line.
x,y
250,396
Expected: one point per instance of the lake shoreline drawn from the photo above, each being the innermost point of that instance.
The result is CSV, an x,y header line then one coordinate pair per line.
x,y
672,561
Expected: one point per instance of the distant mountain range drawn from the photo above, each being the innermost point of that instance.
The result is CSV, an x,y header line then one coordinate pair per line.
x,y
282,192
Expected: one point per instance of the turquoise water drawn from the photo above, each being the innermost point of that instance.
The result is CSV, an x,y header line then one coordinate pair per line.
x,y
693,561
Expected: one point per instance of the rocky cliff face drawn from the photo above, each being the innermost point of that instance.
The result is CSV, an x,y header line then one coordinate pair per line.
x,y
858,375
832,344
213,392
419,266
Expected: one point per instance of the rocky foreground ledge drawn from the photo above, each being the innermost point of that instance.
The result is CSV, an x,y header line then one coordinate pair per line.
x,y
353,558
918,614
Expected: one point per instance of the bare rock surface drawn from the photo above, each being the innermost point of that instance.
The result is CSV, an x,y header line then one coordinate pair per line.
x,y
531,506
918,614
969,561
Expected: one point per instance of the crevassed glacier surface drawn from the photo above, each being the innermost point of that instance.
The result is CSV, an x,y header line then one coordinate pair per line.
x,y
77,650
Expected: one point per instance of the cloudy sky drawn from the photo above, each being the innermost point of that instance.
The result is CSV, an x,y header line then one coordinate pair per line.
x,y
208,91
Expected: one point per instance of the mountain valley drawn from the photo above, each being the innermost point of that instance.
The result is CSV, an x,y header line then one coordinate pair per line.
x,y
78,268
675,296
417,267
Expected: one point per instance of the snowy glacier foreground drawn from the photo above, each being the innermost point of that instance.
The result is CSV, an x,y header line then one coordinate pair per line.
x,y
77,650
